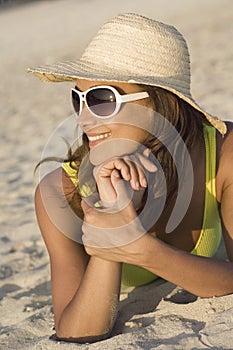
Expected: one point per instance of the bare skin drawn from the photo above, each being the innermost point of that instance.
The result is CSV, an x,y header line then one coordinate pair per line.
x,y
86,280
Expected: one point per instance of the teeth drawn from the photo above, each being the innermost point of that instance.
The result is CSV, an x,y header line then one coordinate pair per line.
x,y
99,137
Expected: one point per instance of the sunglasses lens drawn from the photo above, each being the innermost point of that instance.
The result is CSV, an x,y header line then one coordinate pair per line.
x,y
101,101
76,101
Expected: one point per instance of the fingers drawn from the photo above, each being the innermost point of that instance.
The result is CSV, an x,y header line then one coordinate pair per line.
x,y
146,162
137,175
138,165
124,194
132,168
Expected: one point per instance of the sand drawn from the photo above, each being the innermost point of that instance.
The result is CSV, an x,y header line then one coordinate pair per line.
x,y
157,316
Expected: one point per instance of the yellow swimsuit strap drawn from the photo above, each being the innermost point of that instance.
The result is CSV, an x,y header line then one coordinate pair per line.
x,y
211,232
72,173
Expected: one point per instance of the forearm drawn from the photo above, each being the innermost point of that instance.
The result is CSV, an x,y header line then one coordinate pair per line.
x,y
93,309
201,276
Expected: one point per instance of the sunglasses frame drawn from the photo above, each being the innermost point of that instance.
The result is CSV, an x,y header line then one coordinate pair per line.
x,y
119,99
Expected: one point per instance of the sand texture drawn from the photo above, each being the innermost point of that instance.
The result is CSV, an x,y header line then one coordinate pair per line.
x,y
157,316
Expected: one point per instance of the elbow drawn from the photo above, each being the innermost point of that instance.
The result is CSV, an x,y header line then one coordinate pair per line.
x,y
81,330
82,333
215,292
81,338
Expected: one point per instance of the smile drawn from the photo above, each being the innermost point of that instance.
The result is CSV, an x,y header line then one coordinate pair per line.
x,y
98,137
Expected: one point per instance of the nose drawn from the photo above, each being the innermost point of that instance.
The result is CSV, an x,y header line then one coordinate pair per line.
x,y
86,120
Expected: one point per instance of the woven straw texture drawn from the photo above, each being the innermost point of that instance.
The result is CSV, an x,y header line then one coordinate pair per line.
x,y
135,49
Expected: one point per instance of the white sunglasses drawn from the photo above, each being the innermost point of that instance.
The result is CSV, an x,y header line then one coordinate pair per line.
x,y
102,101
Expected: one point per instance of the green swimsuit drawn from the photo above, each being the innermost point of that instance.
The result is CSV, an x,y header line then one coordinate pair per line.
x,y
210,235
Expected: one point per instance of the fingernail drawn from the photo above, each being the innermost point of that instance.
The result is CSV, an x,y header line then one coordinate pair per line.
x,y
144,183
147,152
153,167
116,174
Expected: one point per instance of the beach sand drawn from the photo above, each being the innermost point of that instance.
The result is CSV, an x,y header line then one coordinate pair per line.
x,y
156,316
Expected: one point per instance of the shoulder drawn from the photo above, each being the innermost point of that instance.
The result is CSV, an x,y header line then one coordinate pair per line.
x,y
53,206
57,180
226,144
225,168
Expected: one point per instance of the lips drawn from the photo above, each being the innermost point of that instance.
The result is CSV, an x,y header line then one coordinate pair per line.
x,y
95,138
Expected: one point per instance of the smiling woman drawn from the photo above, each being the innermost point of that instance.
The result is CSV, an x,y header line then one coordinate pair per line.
x,y
150,187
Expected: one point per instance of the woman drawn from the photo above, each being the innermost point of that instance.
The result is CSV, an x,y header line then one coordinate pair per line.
x,y
160,196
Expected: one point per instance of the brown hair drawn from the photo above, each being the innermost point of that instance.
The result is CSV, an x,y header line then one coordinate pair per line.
x,y
188,123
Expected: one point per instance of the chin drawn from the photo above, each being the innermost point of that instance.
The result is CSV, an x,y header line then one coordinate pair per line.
x,y
111,148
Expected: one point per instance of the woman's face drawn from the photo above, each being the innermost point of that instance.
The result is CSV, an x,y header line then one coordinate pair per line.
x,y
124,132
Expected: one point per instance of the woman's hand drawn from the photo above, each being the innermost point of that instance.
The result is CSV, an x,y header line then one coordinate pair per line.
x,y
132,168
113,233
115,224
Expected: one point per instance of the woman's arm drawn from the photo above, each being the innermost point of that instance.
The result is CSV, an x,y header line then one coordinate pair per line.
x,y
92,311
202,276
85,290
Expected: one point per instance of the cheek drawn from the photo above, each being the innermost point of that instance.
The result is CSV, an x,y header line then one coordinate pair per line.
x,y
135,117
133,133
140,136
128,132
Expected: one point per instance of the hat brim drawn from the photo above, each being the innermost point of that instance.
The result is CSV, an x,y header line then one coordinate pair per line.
x,y
71,71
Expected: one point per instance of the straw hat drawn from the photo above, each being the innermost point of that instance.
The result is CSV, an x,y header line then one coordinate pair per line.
x,y
135,49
